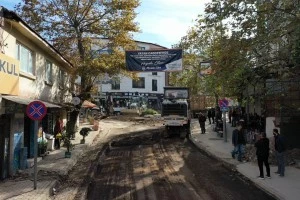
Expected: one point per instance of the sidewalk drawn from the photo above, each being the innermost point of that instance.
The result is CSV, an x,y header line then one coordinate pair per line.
x,y
286,188
55,163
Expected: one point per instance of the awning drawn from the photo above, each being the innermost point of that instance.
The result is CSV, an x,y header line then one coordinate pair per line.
x,y
87,104
26,101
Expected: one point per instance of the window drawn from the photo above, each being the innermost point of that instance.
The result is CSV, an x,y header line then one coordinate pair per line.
x,y
24,55
48,72
154,85
141,48
139,83
115,83
154,73
61,79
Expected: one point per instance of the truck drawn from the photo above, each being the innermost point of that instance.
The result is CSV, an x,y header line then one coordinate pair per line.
x,y
175,111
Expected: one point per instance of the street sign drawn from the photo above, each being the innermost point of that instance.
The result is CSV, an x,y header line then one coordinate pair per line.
x,y
224,109
223,103
36,110
76,101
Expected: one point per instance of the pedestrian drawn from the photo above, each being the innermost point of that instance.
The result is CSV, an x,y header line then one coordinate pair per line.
x,y
280,148
202,120
234,118
58,128
213,115
239,142
262,153
209,115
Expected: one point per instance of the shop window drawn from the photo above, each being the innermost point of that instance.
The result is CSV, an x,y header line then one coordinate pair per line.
x,y
115,84
25,56
48,73
154,85
138,83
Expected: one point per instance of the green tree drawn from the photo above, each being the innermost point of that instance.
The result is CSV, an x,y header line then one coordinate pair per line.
x,y
74,28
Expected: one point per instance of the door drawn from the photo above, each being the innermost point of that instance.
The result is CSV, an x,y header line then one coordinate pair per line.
x,y
4,145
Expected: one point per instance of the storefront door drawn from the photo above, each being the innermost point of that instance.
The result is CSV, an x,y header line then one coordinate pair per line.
x,y
4,145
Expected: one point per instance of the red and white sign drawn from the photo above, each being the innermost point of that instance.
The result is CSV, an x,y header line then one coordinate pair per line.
x,y
36,110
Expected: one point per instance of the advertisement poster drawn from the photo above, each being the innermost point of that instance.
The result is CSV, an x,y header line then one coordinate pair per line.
x,y
156,60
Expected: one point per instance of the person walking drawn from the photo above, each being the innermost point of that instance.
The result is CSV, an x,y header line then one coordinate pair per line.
x,y
213,115
58,128
239,142
209,115
262,153
280,148
202,120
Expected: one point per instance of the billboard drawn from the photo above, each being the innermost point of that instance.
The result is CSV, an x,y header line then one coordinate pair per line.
x,y
154,60
9,75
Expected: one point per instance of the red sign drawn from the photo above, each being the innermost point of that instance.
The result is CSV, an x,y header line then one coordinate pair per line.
x,y
223,103
36,110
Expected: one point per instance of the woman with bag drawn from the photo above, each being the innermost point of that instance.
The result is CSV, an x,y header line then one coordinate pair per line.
x,y
58,128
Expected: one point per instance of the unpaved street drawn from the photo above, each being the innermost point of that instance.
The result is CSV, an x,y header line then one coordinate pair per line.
x,y
149,166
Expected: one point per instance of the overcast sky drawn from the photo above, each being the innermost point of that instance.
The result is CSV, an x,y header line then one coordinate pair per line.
x,y
162,22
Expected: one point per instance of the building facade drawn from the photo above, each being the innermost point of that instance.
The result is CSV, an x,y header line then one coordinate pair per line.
x,y
124,91
30,69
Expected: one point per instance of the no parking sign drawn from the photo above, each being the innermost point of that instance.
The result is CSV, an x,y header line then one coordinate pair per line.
x,y
36,110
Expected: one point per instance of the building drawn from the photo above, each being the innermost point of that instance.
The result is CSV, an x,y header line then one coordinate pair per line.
x,y
124,91
30,69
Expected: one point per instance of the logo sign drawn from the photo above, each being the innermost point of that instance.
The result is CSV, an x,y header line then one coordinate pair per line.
x,y
155,60
36,110
223,103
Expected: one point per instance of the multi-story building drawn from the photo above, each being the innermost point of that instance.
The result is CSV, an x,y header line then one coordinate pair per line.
x,y
30,69
148,87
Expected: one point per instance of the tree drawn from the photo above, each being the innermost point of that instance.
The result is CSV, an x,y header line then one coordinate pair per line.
x,y
74,28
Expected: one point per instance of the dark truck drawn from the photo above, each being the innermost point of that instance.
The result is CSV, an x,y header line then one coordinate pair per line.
x,y
175,111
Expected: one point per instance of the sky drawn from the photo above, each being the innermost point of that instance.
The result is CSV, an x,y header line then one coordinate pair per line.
x,y
161,22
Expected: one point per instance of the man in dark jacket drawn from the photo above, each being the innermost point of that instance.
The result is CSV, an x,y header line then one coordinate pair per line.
x,y
239,142
262,153
280,147
202,120
209,114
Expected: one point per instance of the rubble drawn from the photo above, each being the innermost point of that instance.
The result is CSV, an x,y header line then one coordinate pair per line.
x,y
292,155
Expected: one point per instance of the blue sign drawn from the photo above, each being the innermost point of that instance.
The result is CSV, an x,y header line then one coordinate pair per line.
x,y
223,103
156,60
36,110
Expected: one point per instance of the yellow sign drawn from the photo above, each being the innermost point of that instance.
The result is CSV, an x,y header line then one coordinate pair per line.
x,y
9,75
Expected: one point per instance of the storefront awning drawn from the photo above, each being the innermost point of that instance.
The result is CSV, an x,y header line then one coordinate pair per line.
x,y
87,104
26,101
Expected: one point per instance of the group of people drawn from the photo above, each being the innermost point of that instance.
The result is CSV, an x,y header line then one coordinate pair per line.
x,y
262,150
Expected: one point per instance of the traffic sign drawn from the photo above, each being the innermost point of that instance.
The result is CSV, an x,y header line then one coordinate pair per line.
x,y
76,101
223,103
36,110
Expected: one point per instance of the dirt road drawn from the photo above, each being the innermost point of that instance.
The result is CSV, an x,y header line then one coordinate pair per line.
x,y
149,166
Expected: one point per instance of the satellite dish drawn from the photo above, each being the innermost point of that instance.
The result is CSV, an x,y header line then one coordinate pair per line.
x,y
76,101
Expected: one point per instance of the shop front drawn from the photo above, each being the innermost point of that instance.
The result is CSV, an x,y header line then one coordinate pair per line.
x,y
17,143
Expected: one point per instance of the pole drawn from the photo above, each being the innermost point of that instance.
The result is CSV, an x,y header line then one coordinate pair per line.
x,y
224,126
35,153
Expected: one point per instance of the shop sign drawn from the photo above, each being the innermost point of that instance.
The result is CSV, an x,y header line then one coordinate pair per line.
x,y
9,75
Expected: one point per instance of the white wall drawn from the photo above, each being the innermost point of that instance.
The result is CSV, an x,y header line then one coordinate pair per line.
x,y
126,84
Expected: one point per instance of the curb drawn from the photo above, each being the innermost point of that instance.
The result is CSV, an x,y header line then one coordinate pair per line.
x,y
233,167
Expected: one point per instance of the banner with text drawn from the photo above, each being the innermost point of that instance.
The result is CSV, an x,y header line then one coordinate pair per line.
x,y
9,75
156,60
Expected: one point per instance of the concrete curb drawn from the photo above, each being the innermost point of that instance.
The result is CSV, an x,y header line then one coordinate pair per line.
x,y
231,166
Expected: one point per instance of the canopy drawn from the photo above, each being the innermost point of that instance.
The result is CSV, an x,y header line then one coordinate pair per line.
x,y
87,104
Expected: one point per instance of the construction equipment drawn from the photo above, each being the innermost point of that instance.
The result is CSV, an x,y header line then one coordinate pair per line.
x,y
176,111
